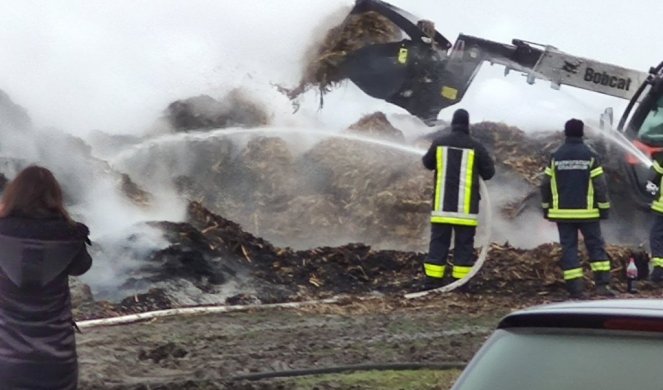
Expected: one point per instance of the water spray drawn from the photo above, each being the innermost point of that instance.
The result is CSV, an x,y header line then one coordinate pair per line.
x,y
219,133
610,133
225,132
618,138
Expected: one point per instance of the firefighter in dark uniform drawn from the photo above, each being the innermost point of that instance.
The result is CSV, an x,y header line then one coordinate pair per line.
x,y
458,161
656,233
575,196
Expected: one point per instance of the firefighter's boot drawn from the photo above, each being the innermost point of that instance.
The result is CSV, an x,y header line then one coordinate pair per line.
x,y
465,288
576,289
602,279
433,283
657,276
605,290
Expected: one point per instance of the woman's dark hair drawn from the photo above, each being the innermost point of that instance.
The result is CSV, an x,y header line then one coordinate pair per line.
x,y
34,192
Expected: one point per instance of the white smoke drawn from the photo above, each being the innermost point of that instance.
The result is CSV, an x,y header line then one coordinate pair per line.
x,y
79,66
113,67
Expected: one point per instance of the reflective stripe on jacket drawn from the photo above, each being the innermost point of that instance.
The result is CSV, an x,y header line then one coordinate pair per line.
x,y
574,187
459,161
455,202
657,204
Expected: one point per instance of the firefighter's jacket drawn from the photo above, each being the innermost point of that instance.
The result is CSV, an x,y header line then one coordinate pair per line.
x,y
458,161
657,178
574,187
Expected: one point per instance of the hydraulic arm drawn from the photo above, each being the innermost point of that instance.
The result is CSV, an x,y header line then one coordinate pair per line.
x,y
424,73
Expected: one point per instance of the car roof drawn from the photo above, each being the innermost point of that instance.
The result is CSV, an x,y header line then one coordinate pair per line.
x,y
622,314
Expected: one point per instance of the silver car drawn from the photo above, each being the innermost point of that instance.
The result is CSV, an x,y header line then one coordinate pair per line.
x,y
603,344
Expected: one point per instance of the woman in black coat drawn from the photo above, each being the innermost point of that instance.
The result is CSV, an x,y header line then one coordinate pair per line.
x,y
40,246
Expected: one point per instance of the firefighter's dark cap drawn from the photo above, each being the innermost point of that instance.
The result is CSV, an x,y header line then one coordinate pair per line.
x,y
574,128
461,117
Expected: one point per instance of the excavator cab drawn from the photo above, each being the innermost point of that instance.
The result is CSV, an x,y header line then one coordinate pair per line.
x,y
653,124
651,129
642,124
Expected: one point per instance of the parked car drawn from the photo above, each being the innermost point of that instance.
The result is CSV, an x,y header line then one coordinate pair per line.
x,y
602,344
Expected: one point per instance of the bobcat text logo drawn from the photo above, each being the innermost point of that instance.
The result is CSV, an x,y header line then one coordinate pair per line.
x,y
606,79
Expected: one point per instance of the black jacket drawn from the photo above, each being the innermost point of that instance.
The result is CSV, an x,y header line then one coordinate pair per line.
x,y
574,187
36,335
656,177
458,160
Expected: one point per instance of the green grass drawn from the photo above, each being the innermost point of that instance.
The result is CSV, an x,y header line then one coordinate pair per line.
x,y
423,379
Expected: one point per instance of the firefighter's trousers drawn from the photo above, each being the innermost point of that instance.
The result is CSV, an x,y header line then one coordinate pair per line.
x,y
438,251
656,246
598,258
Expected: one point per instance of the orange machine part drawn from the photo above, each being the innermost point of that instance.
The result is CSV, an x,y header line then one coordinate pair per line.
x,y
646,149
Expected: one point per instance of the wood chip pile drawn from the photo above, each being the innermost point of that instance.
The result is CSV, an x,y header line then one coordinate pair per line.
x,y
516,151
357,268
206,112
283,274
341,191
356,31
377,125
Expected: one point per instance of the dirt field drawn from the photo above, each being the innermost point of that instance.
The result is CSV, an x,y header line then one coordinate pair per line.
x,y
371,325
207,351
215,351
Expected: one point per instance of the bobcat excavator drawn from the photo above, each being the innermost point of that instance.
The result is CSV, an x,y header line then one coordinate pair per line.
x,y
425,73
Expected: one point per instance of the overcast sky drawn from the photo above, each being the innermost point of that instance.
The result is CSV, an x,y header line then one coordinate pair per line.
x,y
114,65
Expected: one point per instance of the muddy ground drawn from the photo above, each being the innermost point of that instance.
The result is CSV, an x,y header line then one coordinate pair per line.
x,y
213,351
208,351
371,324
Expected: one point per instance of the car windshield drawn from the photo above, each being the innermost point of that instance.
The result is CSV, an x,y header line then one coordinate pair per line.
x,y
652,127
569,360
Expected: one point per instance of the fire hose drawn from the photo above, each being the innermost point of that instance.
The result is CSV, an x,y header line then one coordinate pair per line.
x,y
480,260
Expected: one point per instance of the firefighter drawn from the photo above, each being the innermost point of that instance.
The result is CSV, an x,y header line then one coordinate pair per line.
x,y
575,196
656,233
458,161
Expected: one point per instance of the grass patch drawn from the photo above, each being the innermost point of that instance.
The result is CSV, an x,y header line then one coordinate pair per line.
x,y
423,379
